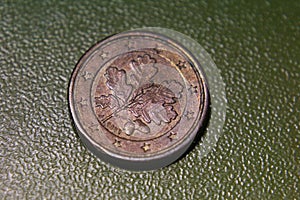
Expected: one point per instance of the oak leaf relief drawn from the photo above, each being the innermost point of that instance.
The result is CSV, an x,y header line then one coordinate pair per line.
x,y
143,69
145,101
153,102
117,82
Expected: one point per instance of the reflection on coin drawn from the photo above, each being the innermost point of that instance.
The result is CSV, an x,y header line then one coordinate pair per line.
x,y
138,100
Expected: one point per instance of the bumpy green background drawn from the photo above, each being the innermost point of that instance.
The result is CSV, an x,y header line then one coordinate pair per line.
x,y
254,44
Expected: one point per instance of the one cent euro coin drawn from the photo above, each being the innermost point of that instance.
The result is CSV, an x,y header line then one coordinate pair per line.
x,y
138,100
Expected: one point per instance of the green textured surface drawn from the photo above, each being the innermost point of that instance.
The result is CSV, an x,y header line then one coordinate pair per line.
x,y
255,46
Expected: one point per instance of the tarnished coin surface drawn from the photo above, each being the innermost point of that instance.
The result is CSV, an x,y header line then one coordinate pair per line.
x,y
138,100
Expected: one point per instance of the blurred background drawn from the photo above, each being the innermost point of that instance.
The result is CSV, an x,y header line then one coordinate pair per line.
x,y
254,44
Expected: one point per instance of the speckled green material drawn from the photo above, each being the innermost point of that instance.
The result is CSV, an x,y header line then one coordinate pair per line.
x,y
256,47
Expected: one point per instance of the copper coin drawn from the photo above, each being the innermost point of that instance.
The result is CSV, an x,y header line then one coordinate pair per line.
x,y
138,100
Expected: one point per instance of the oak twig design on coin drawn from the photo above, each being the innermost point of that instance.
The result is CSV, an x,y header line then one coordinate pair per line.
x,y
135,99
